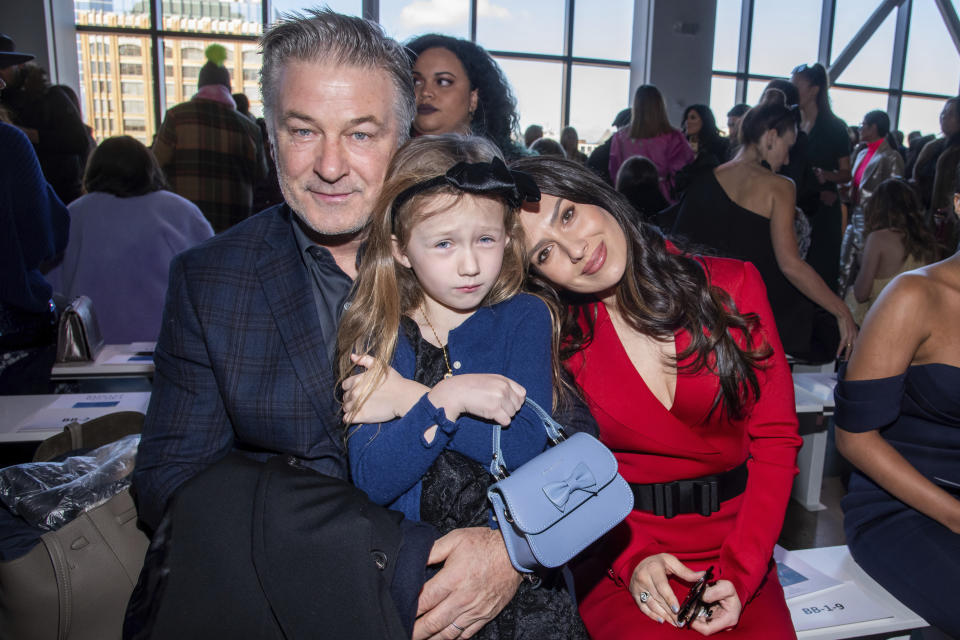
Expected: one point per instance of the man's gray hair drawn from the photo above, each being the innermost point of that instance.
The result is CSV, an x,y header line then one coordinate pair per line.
x,y
321,35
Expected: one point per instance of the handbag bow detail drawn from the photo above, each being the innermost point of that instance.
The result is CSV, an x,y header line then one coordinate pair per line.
x,y
581,478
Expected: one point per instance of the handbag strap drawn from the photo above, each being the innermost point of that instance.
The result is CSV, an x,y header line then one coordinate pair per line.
x,y
61,571
554,433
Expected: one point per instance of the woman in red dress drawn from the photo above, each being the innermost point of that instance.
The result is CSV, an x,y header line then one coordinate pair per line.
x,y
679,360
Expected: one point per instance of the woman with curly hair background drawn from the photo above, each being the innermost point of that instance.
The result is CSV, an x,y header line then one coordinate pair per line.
x,y
461,89
897,240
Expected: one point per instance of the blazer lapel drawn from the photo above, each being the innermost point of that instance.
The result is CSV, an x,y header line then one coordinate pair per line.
x,y
287,288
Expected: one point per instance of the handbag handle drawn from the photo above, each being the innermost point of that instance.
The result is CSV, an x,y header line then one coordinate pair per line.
x,y
554,433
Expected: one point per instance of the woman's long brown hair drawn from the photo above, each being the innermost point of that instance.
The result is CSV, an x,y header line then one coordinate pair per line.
x,y
895,205
661,292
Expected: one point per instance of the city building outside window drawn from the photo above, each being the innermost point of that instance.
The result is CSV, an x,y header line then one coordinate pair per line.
x,y
568,63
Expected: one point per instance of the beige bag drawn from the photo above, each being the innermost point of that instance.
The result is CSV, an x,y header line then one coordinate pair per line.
x,y
75,584
78,334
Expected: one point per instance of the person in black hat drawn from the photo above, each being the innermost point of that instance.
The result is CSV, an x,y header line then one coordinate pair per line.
x,y
599,159
212,154
48,117
10,60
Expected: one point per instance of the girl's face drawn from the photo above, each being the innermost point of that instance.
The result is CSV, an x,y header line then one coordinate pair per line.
x,y
579,247
456,254
693,123
445,101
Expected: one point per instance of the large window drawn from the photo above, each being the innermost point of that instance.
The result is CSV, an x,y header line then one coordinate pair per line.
x,y
347,7
597,95
236,17
582,80
535,26
184,57
784,35
911,88
116,81
116,44
539,90
404,19
568,63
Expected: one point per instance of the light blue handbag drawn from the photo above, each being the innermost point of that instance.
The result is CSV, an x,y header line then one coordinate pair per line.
x,y
554,506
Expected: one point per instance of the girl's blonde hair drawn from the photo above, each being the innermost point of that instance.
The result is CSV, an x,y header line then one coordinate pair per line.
x,y
384,289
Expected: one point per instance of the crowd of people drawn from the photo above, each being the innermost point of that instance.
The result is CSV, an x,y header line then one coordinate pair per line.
x,y
334,363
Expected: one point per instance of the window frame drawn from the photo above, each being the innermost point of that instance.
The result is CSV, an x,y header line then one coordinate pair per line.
x,y
894,90
371,10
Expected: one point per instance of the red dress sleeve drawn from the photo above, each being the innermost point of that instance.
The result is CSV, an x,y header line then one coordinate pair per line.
x,y
773,444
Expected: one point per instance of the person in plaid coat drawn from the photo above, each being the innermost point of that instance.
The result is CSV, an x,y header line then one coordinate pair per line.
x,y
212,154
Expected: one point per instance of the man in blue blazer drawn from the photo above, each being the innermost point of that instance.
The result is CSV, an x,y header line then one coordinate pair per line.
x,y
243,364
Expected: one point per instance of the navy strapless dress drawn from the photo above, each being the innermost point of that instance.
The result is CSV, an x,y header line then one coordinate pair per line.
x,y
914,557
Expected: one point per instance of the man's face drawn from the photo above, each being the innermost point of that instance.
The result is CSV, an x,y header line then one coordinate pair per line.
x,y
336,130
8,75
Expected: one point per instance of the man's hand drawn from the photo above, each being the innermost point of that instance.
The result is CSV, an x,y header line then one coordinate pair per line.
x,y
474,585
392,398
726,610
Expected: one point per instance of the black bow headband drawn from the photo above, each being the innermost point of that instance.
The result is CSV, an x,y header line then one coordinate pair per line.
x,y
483,178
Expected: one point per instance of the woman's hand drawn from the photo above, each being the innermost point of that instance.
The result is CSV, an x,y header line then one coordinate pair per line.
x,y
726,610
651,589
391,398
848,332
485,395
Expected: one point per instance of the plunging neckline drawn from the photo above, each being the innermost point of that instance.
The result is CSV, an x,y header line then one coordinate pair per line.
x,y
632,367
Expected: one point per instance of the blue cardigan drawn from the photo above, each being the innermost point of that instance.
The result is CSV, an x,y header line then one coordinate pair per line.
x,y
513,338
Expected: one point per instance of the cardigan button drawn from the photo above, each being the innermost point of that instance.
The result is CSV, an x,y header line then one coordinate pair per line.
x,y
379,559
456,364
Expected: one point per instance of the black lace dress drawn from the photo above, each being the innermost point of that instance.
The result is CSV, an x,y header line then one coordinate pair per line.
x,y
454,496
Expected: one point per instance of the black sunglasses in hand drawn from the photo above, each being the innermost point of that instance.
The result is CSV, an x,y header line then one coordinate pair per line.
x,y
693,605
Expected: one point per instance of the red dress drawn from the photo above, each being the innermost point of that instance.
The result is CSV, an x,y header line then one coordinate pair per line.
x,y
654,444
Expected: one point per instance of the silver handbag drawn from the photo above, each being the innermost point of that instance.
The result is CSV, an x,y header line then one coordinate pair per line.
x,y
78,334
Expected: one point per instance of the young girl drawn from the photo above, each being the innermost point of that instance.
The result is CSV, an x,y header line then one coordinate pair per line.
x,y
897,240
449,345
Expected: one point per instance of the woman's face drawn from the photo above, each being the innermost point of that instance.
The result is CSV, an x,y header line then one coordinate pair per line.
x,y
693,123
950,119
807,91
445,102
578,247
777,152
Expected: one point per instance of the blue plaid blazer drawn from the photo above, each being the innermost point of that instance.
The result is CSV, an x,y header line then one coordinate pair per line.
x,y
240,363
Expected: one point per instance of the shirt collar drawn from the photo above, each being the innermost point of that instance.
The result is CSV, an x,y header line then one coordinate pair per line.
x,y
304,243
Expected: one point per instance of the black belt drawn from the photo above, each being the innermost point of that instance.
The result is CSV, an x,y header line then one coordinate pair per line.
x,y
697,495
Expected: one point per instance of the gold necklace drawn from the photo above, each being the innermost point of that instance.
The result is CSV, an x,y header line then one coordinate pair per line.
x,y
443,347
